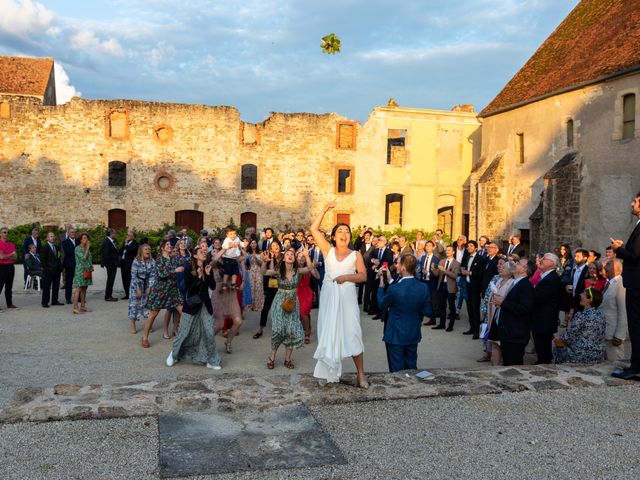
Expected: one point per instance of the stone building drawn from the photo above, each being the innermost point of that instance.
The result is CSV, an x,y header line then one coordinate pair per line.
x,y
560,142
28,77
143,164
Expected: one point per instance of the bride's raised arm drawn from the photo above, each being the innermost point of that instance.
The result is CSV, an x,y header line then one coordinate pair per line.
x,y
318,237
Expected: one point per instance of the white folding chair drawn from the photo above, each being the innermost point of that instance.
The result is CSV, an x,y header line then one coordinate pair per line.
x,y
32,282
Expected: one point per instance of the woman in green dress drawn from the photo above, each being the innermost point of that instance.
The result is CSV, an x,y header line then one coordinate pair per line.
x,y
164,292
285,311
82,274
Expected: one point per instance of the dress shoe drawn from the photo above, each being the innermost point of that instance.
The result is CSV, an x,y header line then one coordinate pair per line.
x,y
475,336
468,332
69,302
377,317
626,374
57,303
125,298
449,329
430,322
110,299
45,306
457,316
438,327
12,306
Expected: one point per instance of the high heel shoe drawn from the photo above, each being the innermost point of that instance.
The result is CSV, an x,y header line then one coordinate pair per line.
x,y
271,363
289,364
227,347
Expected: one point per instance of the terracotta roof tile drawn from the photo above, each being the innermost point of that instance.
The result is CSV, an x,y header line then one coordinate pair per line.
x,y
25,76
598,38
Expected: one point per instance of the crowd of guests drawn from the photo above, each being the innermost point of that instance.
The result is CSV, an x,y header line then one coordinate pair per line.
x,y
511,300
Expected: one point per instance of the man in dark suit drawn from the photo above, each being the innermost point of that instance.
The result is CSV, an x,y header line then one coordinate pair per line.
x,y
408,302
630,254
447,272
51,268
128,254
515,247
380,256
318,261
363,245
33,239
546,310
268,238
430,259
371,275
514,321
491,266
110,260
578,276
473,272
68,252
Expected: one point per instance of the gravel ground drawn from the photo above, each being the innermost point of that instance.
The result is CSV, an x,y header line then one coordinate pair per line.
x,y
41,347
582,433
109,449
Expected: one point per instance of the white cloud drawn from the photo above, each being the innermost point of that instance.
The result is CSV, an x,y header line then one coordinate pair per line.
x,y
412,55
23,17
161,53
86,40
64,90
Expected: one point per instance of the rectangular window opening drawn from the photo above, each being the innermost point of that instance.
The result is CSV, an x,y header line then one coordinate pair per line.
x,y
520,147
396,143
345,180
628,116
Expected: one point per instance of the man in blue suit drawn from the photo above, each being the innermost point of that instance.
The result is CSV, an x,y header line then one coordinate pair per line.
x,y
408,302
318,261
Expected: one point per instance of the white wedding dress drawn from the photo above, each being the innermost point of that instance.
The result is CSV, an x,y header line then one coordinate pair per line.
x,y
339,331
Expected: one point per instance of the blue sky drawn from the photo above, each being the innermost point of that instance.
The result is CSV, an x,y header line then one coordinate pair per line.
x,y
264,55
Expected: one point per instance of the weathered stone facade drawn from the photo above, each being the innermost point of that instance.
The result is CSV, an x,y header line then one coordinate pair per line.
x,y
586,197
189,159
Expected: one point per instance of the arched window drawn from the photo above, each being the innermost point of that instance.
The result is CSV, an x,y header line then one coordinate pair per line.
x,y
190,219
117,174
628,115
249,180
393,209
248,219
117,219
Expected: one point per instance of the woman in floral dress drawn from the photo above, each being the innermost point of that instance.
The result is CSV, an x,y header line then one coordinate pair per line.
x,y
143,276
84,263
584,339
286,327
255,276
164,293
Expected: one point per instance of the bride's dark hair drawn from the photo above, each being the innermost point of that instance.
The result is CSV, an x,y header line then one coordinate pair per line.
x,y
335,228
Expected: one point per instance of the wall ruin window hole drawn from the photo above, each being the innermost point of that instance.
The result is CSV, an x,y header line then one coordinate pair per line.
x,y
117,174
396,144
393,209
628,116
249,177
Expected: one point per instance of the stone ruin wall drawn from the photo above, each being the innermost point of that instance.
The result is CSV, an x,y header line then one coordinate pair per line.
x,y
55,163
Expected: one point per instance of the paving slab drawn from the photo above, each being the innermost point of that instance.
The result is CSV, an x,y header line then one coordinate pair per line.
x,y
204,443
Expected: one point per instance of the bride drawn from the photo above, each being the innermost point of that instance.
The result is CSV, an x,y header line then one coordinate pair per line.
x,y
339,332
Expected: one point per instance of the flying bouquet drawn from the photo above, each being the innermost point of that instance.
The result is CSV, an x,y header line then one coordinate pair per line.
x,y
330,44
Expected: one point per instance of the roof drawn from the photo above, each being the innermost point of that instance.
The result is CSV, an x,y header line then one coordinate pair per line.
x,y
558,167
598,39
25,76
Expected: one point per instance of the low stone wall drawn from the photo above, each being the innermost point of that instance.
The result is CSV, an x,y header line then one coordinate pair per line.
x,y
228,392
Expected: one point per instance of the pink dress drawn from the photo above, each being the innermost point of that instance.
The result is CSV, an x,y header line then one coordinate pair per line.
x,y
305,295
225,304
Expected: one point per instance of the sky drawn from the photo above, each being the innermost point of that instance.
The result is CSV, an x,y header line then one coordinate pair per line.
x,y
264,55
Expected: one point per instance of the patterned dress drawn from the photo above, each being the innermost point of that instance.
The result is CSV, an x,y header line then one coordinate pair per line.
x,y
143,276
585,338
286,327
164,292
257,287
82,265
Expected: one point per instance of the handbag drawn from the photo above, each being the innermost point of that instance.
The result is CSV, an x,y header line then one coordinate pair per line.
x,y
87,274
273,283
288,305
194,300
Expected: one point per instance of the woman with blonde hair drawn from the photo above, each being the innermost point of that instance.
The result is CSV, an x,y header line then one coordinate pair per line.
x,y
143,276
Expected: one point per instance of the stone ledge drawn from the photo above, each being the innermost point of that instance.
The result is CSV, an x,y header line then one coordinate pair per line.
x,y
229,392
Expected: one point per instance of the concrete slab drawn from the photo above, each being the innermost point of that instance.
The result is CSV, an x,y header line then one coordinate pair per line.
x,y
205,443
